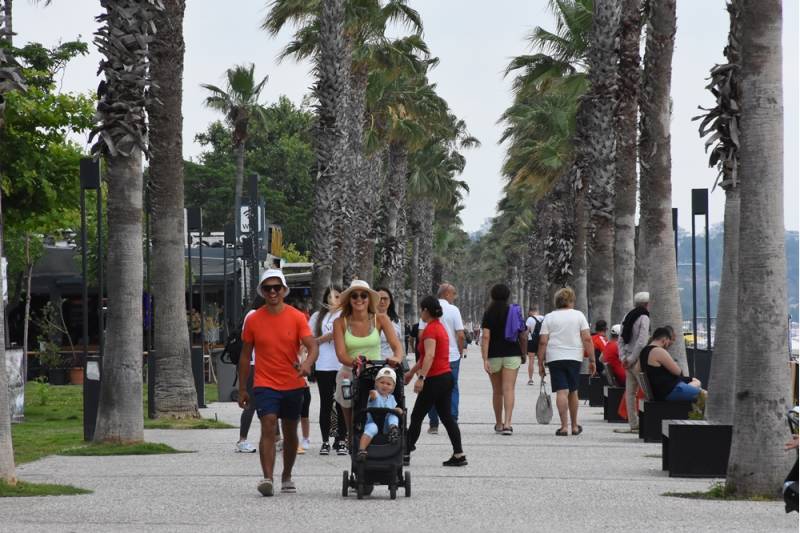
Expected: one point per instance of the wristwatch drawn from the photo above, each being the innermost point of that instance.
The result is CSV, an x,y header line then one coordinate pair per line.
x,y
421,378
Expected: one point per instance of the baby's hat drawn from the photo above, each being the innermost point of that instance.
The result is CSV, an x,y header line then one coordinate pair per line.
x,y
386,372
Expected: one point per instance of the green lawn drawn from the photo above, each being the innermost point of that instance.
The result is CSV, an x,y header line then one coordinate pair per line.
x,y
22,489
54,421
145,448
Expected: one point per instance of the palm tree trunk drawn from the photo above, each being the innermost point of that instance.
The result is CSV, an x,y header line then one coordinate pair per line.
x,y
360,184
7,467
120,417
758,462
8,23
333,70
721,382
392,261
602,94
658,250
413,277
175,394
625,178
580,210
365,250
424,217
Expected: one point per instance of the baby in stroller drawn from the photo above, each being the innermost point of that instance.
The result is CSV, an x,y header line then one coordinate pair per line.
x,y
381,396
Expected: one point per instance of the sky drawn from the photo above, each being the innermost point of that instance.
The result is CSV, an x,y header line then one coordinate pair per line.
x,y
474,41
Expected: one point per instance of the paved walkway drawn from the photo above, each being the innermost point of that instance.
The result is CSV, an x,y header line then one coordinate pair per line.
x,y
533,481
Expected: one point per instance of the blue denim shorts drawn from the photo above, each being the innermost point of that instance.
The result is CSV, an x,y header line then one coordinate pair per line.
x,y
286,404
564,374
683,392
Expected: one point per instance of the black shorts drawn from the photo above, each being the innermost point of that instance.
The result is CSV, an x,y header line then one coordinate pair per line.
x,y
564,374
532,346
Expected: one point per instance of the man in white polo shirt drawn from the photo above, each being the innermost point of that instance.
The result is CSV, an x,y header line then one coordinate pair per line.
x,y
451,320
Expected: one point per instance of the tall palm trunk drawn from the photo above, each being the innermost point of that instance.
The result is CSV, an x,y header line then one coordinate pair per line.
x,y
625,177
657,248
7,467
332,67
758,462
122,99
360,184
413,276
392,261
721,382
365,247
602,94
120,417
580,216
425,215
175,395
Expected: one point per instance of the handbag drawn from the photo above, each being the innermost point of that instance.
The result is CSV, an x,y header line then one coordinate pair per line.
x,y
544,406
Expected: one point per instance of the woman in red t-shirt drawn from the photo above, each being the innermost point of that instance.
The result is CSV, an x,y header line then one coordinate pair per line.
x,y
434,385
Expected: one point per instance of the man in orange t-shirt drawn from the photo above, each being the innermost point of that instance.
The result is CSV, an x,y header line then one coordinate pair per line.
x,y
276,331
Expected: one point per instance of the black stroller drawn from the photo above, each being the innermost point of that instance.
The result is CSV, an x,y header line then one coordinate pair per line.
x,y
384,462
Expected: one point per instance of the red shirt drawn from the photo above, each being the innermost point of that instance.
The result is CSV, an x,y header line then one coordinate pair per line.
x,y
599,342
441,358
276,339
611,357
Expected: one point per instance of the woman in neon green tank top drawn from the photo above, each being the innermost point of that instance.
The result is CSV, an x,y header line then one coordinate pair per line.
x,y
357,332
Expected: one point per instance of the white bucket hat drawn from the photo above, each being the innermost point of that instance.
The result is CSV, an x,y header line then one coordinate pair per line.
x,y
359,285
272,273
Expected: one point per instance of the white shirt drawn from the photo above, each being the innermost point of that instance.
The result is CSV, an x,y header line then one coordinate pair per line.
x,y
253,353
563,329
386,350
531,325
326,361
451,320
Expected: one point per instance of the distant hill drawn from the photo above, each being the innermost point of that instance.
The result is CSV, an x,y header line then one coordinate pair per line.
x,y
715,256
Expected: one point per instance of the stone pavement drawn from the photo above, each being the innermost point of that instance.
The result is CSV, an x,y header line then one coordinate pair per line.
x,y
532,481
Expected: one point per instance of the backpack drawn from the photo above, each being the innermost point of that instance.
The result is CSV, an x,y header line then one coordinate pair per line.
x,y
536,332
514,323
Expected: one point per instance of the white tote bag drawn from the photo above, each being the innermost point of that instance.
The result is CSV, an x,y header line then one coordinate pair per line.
x,y
544,406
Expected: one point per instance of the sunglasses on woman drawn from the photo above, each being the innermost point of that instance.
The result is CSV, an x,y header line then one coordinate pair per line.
x,y
359,296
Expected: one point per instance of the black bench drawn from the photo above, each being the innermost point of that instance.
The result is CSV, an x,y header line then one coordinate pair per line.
x,y
596,391
612,396
695,448
651,412
583,387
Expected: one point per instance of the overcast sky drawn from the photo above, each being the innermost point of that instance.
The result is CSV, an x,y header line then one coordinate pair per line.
x,y
474,40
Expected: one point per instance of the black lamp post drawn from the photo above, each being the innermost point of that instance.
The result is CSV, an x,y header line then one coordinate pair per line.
x,y
194,217
90,179
675,231
254,220
700,207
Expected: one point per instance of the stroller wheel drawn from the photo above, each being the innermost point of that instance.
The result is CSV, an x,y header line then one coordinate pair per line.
x,y
408,484
393,492
368,488
360,491
345,483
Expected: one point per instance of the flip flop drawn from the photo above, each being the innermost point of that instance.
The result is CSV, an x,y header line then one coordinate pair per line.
x,y
579,431
561,432
498,428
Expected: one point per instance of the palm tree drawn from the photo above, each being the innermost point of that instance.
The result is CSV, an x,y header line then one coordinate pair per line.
x,y
625,176
175,394
122,139
656,244
10,80
763,394
723,121
239,103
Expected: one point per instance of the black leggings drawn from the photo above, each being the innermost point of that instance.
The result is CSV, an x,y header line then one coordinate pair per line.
x,y
306,403
436,391
326,382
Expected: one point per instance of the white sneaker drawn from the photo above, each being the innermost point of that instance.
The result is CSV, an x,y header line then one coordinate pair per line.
x,y
245,447
305,444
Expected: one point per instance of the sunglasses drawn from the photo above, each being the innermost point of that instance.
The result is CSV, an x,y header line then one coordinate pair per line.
x,y
359,295
271,288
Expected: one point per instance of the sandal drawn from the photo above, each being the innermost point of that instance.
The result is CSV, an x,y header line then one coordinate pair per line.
x,y
508,430
561,432
498,428
578,431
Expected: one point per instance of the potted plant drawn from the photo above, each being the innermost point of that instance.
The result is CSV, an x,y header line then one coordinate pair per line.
x,y
52,330
55,365
212,324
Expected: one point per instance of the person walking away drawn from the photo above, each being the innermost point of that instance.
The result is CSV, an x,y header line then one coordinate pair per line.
x,y
501,358
599,341
634,337
534,325
453,324
321,324
610,358
357,333
434,384
276,330
563,343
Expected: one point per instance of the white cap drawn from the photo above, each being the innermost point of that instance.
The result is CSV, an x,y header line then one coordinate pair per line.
x,y
641,298
273,273
616,329
386,372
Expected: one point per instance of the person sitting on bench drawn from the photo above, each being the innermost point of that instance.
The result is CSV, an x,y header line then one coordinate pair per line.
x,y
663,373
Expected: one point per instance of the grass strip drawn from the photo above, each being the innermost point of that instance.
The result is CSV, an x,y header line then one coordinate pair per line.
x,y
24,489
102,449
720,491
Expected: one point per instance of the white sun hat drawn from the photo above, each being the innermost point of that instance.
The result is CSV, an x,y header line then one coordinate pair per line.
x,y
359,285
273,273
